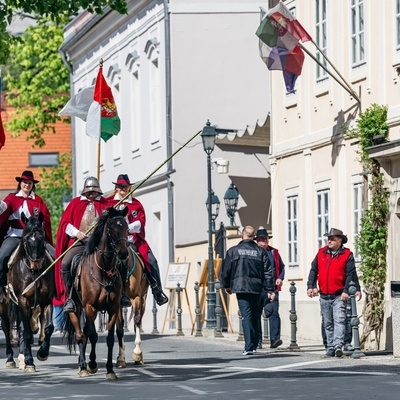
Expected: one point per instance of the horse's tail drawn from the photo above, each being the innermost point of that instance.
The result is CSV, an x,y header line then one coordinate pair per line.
x,y
69,331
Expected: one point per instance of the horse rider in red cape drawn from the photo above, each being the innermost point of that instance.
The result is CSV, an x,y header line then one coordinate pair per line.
x,y
137,221
23,200
80,215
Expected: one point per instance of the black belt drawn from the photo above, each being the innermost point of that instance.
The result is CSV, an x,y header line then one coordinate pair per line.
x,y
329,296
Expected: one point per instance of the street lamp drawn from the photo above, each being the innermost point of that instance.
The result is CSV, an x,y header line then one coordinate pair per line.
x,y
208,137
214,207
231,201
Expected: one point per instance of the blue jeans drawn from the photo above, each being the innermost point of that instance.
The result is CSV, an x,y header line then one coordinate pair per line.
x,y
333,311
249,305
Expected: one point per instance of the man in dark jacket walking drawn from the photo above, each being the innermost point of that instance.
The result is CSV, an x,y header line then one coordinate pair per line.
x,y
246,270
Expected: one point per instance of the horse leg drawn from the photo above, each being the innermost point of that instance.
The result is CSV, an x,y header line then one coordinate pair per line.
x,y
43,352
93,337
42,319
29,365
112,318
137,354
121,361
80,339
6,326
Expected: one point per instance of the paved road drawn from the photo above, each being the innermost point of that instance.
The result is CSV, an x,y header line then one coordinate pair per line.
x,y
207,368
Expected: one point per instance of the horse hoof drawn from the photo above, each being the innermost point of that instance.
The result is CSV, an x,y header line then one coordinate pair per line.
x,y
120,364
29,368
83,372
137,359
11,364
42,356
92,370
111,376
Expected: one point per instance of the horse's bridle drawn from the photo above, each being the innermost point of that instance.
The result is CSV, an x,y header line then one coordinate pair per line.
x,y
39,260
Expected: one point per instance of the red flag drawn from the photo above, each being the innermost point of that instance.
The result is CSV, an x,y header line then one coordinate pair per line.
x,y
2,134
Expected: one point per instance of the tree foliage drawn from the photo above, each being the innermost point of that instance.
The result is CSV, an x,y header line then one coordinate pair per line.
x,y
55,10
55,183
372,129
37,81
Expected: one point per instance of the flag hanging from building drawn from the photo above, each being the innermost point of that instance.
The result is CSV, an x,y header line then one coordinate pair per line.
x,y
2,134
102,118
279,34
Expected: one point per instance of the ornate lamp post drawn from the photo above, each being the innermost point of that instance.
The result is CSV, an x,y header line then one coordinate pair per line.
x,y
231,201
214,207
208,136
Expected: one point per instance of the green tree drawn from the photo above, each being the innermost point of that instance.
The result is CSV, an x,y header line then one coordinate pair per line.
x,y
55,183
55,10
37,81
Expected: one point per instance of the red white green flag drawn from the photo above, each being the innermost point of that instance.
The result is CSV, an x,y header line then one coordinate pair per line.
x,y
2,134
102,119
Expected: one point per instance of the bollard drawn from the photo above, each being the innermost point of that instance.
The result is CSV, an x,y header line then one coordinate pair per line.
x,y
218,310
293,317
197,311
355,321
154,311
241,336
179,310
266,339
125,312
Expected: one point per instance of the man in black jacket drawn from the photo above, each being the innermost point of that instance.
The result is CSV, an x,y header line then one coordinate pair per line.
x,y
246,270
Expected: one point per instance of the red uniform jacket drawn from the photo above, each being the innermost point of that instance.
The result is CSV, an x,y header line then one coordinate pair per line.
x,y
35,206
136,213
72,215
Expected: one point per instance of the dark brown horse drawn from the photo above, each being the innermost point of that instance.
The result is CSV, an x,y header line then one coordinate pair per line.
x,y
136,288
27,263
6,327
99,288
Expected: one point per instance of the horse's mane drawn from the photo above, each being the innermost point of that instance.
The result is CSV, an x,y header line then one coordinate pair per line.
x,y
95,237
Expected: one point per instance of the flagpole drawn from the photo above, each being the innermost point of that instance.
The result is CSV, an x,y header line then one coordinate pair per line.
x,y
331,64
98,160
348,90
32,284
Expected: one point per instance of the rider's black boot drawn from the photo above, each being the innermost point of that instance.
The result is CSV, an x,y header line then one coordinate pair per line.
x,y
69,305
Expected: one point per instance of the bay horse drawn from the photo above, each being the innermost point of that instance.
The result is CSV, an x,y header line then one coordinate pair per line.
x,y
136,287
99,288
7,329
27,263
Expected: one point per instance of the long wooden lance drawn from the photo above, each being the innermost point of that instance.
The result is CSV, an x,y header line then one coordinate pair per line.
x,y
32,284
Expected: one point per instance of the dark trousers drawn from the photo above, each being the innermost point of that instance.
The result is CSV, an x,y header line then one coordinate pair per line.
x,y
249,309
275,320
8,246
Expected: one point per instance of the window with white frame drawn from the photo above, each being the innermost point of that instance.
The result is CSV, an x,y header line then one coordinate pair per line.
x,y
357,212
323,202
357,32
292,232
397,16
321,36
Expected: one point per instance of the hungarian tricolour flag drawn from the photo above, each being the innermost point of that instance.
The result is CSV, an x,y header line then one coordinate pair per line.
x,y
279,34
102,118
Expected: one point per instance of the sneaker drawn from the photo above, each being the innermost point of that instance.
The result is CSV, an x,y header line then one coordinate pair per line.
x,y
259,346
330,353
348,347
276,343
125,301
69,306
338,352
247,353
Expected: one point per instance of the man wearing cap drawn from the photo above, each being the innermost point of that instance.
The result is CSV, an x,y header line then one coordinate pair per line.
x,y
26,201
246,271
136,222
80,215
278,273
333,268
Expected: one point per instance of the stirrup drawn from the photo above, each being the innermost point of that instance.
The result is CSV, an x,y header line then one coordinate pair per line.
x,y
69,306
160,297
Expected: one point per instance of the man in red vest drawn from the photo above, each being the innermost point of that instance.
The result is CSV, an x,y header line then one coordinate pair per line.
x,y
333,268
278,273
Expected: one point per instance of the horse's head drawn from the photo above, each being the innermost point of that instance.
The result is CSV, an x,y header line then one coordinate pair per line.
x,y
117,231
33,240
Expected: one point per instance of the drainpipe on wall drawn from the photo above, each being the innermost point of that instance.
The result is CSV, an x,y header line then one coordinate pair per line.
x,y
73,169
168,130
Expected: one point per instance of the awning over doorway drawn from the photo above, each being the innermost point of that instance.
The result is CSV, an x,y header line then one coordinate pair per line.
x,y
253,136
